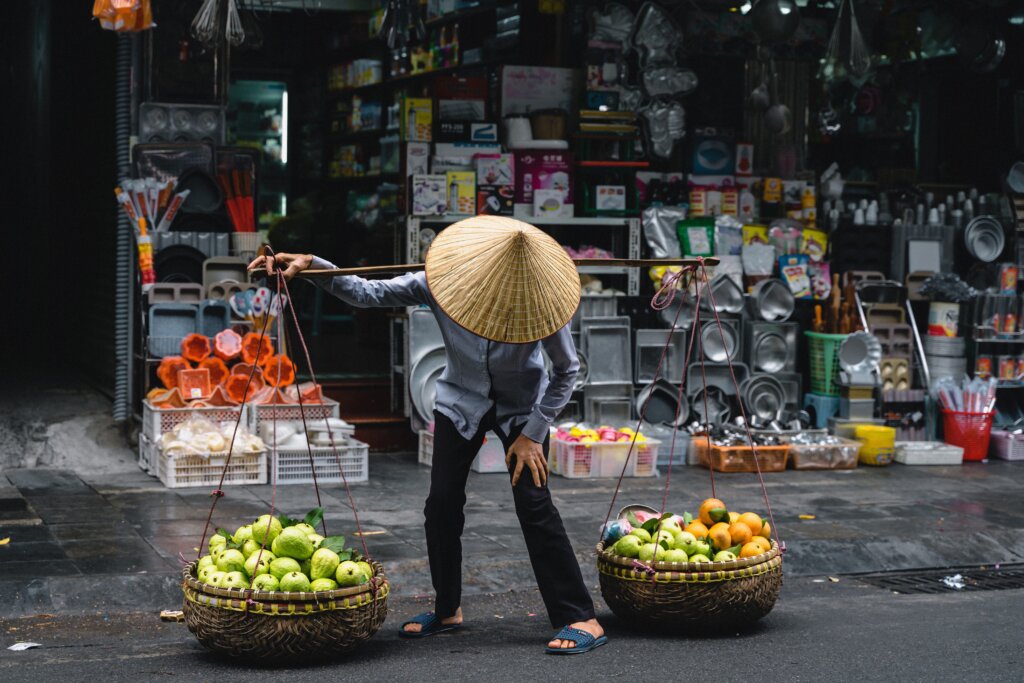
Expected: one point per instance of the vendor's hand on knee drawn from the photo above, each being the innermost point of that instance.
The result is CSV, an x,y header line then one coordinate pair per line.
x,y
528,454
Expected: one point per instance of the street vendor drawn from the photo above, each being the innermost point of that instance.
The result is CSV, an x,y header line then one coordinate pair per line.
x,y
501,290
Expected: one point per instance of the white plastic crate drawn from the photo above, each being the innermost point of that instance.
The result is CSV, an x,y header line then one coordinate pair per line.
x,y
603,459
291,413
491,457
158,421
928,453
1006,445
292,466
426,451
180,471
642,462
147,454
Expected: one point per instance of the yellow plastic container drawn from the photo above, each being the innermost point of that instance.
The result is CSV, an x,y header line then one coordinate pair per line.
x,y
879,444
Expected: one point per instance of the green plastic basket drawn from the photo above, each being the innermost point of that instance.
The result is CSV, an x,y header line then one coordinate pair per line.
x,y
824,350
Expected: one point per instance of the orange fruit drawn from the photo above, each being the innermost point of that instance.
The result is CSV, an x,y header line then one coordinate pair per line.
x,y
719,536
765,544
733,517
713,511
766,531
751,549
753,521
697,529
740,533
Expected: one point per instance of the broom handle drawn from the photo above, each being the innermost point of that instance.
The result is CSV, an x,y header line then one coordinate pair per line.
x,y
408,267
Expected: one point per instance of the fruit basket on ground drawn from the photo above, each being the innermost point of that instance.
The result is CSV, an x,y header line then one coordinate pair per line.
x,y
277,588
718,570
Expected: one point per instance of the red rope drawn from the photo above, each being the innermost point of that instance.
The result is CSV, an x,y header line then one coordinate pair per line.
x,y
743,413
661,300
330,432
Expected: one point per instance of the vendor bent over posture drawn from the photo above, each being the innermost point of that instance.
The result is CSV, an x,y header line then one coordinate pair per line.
x,y
500,289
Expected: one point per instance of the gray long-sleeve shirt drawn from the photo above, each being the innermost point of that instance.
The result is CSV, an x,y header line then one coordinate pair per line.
x,y
479,373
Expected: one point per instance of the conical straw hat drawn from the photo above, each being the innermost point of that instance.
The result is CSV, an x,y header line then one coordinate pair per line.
x,y
502,279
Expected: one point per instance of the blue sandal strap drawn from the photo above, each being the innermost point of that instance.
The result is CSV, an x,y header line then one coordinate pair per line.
x,y
581,638
426,619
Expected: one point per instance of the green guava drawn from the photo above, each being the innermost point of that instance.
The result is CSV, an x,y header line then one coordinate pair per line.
x,y
283,565
265,529
265,582
294,582
323,564
231,560
323,585
292,543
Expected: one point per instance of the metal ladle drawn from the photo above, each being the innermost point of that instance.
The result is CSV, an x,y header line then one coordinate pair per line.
x,y
778,118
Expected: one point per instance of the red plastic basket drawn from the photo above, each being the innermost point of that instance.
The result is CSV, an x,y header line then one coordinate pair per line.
x,y
970,431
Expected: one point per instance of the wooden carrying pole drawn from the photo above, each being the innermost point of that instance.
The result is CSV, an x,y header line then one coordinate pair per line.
x,y
580,262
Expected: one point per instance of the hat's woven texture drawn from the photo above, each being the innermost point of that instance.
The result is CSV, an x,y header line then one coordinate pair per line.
x,y
502,279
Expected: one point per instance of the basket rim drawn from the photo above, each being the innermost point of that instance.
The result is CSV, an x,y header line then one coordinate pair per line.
x,y
714,576
606,555
276,597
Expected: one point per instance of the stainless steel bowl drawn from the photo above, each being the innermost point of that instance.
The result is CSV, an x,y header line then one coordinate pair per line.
x,y
664,404
984,238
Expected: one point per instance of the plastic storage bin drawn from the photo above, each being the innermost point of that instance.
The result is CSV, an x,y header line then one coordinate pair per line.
x,y
825,456
181,471
490,459
642,462
741,458
970,431
158,421
1006,445
291,413
824,358
292,466
928,453
879,444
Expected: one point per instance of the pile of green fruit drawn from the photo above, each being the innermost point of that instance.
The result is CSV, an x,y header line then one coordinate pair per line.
x,y
282,554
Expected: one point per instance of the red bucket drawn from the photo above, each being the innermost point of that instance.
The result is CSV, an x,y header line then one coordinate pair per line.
x,y
970,431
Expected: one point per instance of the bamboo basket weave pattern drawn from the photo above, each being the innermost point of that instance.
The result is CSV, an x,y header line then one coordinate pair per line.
x,y
716,596
277,624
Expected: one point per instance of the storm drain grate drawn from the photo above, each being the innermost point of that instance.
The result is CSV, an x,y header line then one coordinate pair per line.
x,y
947,581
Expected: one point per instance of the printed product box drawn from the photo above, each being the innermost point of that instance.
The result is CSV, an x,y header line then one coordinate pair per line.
x,y
495,200
417,119
543,170
495,169
461,193
417,158
429,195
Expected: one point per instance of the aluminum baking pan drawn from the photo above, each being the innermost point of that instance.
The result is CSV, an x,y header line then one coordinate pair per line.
x,y
607,349
772,300
719,343
664,404
649,345
716,375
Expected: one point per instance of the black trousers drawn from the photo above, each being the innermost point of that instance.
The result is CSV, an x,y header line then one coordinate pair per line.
x,y
554,563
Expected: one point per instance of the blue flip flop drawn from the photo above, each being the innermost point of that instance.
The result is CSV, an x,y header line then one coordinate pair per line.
x,y
584,641
430,625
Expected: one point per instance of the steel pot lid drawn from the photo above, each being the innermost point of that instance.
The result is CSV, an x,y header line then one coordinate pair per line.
x,y
860,352
711,341
770,353
773,300
727,296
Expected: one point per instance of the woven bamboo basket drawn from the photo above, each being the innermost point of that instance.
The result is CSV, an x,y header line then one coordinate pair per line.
x,y
260,625
688,596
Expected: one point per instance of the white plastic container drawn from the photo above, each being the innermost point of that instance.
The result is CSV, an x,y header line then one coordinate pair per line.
x,y
928,453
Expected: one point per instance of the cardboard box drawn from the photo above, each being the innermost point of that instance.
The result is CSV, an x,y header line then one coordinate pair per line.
x,y
467,131
611,198
465,149
495,169
495,200
429,195
461,193
548,203
543,170
529,88
417,158
417,119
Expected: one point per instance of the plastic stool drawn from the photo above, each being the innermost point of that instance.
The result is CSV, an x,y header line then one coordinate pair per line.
x,y
825,407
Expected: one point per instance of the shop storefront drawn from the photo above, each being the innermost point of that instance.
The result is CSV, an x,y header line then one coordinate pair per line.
x,y
863,291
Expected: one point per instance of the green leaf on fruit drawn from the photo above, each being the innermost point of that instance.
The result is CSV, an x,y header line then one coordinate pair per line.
x,y
650,525
286,521
345,555
735,550
336,544
688,518
631,518
230,539
666,516
314,517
